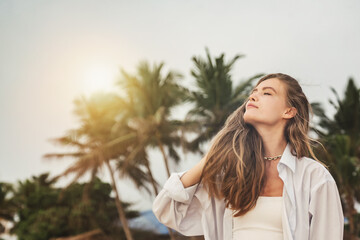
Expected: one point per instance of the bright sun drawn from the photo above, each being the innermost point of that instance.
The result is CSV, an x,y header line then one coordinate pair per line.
x,y
99,77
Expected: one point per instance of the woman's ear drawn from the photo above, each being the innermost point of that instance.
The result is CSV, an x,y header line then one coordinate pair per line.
x,y
290,113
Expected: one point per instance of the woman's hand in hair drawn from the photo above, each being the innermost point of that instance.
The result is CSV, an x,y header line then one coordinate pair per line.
x,y
192,176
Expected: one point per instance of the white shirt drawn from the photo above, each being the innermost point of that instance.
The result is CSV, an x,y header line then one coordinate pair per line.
x,y
312,208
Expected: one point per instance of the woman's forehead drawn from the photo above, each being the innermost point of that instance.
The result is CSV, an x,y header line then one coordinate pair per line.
x,y
274,83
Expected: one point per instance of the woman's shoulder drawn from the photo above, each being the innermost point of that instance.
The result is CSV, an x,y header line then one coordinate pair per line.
x,y
314,169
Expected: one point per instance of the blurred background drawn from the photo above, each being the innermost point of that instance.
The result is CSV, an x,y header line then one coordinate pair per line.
x,y
102,100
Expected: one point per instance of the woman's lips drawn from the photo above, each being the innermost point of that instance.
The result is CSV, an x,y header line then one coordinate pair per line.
x,y
251,106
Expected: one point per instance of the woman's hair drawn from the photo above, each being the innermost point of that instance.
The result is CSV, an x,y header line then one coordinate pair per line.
x,y
235,167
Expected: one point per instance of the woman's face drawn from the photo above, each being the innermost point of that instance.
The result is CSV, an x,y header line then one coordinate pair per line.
x,y
267,104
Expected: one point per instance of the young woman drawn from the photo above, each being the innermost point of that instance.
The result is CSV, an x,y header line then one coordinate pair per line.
x,y
256,181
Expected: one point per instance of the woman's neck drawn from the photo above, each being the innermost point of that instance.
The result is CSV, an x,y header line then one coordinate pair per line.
x,y
274,142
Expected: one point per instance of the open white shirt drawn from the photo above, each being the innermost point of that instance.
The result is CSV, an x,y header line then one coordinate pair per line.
x,y
312,208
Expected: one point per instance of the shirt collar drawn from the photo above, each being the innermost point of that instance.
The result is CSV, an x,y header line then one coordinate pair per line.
x,y
288,158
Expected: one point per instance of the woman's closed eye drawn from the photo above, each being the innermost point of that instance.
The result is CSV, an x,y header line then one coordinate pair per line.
x,y
267,93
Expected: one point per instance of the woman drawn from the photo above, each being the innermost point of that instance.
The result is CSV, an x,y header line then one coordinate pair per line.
x,y
256,182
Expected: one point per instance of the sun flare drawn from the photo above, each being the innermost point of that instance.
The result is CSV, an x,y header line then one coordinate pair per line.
x,y
99,77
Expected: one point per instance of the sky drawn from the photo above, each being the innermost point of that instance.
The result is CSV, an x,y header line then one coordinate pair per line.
x,y
52,52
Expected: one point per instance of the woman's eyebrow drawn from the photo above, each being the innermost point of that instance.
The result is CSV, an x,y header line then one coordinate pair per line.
x,y
264,88
270,88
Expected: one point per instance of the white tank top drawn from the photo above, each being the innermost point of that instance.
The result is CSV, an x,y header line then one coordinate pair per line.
x,y
264,221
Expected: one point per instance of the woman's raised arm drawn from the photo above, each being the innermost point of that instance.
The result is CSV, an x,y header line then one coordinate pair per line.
x,y
192,176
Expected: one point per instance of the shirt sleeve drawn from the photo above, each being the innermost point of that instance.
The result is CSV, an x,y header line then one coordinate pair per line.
x,y
180,208
326,214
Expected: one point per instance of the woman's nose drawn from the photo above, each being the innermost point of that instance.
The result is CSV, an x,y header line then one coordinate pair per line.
x,y
252,97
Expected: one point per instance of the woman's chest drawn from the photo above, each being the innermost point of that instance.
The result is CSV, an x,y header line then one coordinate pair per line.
x,y
273,184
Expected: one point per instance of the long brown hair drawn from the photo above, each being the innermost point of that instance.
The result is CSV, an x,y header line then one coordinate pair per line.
x,y
234,168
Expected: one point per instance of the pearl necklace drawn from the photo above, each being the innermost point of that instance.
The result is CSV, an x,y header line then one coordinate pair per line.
x,y
272,158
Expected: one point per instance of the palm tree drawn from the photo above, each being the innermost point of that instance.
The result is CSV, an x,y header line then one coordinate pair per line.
x,y
215,98
7,205
42,213
97,142
345,169
30,197
341,138
151,97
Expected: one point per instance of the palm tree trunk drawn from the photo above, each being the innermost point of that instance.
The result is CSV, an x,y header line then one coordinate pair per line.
x,y
88,186
119,205
164,154
351,212
153,183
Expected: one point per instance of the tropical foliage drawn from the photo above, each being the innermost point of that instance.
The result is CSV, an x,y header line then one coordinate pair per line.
x,y
97,142
44,211
7,205
215,97
150,97
341,137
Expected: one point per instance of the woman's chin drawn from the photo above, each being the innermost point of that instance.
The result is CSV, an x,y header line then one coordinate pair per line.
x,y
252,121
248,119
